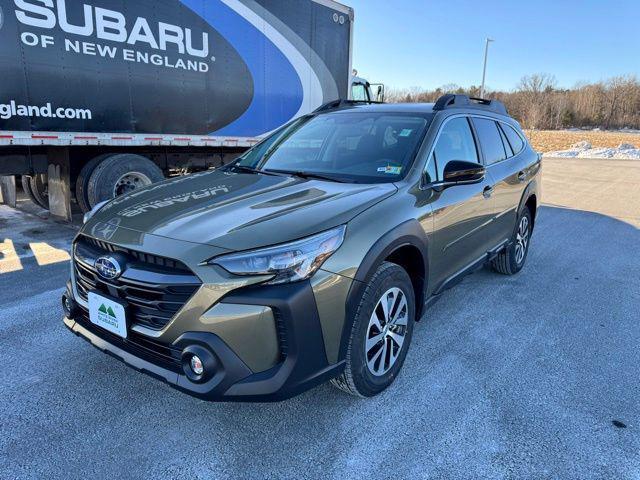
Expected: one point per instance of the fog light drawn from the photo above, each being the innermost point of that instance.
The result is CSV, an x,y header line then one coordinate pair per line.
x,y
68,306
196,365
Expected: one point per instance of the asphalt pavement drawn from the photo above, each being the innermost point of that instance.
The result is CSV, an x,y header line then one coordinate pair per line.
x,y
530,376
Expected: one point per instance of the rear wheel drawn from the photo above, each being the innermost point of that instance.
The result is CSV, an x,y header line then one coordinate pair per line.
x,y
39,186
26,187
381,333
82,183
511,260
119,174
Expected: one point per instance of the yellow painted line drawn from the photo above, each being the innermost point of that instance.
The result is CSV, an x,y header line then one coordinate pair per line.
x,y
9,259
46,254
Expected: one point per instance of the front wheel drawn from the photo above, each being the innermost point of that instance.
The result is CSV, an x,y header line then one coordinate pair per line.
x,y
511,260
381,333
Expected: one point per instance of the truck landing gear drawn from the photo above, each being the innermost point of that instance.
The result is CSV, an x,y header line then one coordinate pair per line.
x,y
8,190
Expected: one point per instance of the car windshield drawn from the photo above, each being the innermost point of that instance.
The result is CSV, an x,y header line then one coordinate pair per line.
x,y
355,147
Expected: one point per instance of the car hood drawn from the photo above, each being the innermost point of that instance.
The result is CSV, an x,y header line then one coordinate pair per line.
x,y
237,211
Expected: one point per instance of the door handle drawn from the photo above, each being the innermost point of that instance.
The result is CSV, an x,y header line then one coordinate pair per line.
x,y
522,176
488,191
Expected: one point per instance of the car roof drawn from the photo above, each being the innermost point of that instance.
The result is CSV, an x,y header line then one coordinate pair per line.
x,y
446,103
386,107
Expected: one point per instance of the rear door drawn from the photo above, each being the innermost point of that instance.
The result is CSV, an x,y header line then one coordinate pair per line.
x,y
507,169
461,213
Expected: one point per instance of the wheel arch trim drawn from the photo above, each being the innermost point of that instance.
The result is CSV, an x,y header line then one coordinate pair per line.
x,y
530,191
409,233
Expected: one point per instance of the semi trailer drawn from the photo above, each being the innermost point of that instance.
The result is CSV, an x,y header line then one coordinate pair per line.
x,y
99,97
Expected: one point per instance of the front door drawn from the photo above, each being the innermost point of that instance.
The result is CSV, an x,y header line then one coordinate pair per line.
x,y
462,214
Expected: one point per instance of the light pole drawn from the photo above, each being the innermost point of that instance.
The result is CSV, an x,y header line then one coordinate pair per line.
x,y
484,69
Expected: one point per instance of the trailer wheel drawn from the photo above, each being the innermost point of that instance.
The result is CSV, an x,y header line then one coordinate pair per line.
x,y
26,187
119,174
40,189
82,183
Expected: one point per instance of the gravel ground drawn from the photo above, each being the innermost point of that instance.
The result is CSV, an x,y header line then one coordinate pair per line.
x,y
531,376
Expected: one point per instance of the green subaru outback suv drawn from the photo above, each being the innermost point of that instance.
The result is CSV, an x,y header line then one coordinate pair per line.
x,y
312,256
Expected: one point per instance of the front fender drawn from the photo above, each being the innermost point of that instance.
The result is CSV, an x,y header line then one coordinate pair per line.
x,y
407,233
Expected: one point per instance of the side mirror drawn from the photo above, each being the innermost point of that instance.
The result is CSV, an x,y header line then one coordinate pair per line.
x,y
460,172
378,90
463,172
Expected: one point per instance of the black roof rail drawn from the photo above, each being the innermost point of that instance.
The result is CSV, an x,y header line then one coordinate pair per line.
x,y
343,103
452,101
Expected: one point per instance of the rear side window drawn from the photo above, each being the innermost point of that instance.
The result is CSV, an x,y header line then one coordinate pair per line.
x,y
490,140
515,140
455,143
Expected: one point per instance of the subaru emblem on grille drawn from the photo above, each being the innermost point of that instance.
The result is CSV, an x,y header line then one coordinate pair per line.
x,y
108,267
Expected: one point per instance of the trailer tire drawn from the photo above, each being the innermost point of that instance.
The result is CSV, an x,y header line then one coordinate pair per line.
x,y
26,187
82,183
39,189
121,173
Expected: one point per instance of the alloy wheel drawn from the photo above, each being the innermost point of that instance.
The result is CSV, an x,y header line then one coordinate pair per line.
x,y
522,239
386,331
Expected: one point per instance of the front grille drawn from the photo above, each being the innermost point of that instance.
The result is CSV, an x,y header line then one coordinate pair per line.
x,y
154,260
165,356
153,287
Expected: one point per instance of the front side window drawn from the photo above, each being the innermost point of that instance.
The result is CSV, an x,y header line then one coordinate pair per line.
x,y
357,147
455,142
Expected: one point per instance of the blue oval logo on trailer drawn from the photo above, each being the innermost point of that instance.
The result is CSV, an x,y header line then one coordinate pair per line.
x,y
108,267
278,92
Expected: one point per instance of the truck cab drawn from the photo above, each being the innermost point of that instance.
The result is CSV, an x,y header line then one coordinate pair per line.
x,y
362,90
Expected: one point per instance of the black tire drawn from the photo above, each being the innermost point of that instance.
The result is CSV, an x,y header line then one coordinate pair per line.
x,y
509,261
82,182
105,176
357,378
26,187
39,189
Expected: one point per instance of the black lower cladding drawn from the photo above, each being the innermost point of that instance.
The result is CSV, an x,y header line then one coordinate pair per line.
x,y
162,355
304,366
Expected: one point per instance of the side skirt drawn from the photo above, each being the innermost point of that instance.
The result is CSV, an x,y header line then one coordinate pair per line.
x,y
457,277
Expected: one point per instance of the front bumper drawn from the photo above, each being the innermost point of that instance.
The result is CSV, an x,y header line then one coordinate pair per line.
x,y
304,366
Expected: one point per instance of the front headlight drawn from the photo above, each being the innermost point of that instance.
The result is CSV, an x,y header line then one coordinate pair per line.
x,y
289,262
93,211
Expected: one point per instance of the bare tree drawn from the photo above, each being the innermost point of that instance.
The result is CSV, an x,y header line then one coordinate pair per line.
x,y
537,102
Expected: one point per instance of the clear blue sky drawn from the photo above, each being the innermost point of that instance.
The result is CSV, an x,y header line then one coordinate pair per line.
x,y
429,43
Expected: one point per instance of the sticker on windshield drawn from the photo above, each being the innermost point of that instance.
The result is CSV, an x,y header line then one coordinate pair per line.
x,y
405,132
390,169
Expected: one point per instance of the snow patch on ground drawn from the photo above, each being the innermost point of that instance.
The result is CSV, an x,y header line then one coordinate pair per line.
x,y
584,149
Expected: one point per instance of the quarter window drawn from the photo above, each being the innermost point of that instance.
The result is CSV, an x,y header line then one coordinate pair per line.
x,y
515,140
455,143
505,142
490,140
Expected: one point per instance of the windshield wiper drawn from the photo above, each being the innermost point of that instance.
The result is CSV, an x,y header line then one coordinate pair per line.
x,y
244,168
307,175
